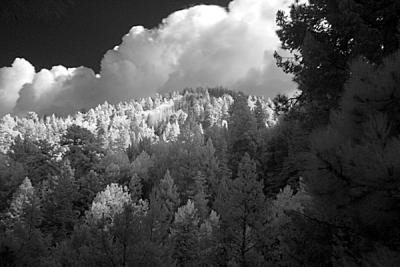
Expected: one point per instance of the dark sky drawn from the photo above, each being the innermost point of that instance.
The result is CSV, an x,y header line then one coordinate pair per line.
x,y
84,32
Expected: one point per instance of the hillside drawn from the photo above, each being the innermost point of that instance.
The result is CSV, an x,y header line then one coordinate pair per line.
x,y
165,162
118,126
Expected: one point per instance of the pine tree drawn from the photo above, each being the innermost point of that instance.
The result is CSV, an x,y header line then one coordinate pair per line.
x,y
60,211
184,231
291,238
141,168
25,243
89,185
211,115
259,115
352,163
84,150
164,200
35,157
243,213
116,166
241,133
11,176
199,195
210,168
135,187
21,199
108,203
112,173
325,35
122,243
208,240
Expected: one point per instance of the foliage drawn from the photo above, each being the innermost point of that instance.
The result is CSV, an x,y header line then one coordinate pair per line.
x,y
108,203
351,168
324,37
243,214
184,232
242,132
83,149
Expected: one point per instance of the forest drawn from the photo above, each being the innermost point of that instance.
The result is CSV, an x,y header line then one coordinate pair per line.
x,y
215,177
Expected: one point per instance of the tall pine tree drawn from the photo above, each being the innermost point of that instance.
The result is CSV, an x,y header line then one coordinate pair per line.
x,y
243,213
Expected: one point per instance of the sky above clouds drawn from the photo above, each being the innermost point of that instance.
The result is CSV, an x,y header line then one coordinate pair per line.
x,y
200,46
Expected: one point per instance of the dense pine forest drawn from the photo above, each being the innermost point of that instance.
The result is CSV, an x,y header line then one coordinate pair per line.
x,y
215,177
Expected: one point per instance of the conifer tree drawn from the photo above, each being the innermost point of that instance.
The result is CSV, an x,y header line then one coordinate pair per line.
x,y
25,243
184,232
242,132
108,203
140,168
35,157
116,167
208,240
84,150
351,168
210,168
21,199
164,200
243,213
325,36
259,115
11,176
199,195
121,243
135,187
89,185
60,199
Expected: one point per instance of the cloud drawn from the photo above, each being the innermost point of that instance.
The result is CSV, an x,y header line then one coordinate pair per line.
x,y
200,46
11,81
59,90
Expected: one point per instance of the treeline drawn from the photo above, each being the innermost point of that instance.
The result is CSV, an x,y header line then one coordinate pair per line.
x,y
215,178
126,123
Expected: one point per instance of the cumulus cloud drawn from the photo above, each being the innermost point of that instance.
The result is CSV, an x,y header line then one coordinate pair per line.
x,y
58,90
200,46
11,80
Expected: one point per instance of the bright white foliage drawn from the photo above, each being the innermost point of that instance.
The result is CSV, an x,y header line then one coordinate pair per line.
x,y
171,132
128,122
22,199
109,202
